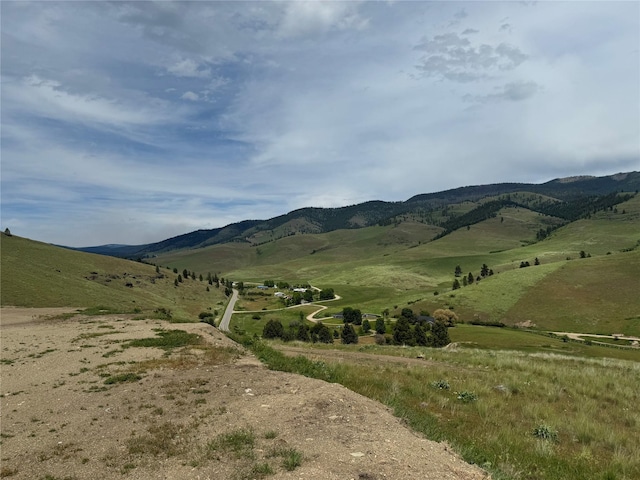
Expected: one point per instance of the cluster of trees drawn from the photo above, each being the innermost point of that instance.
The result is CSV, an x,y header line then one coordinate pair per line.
x,y
298,330
410,330
525,264
485,271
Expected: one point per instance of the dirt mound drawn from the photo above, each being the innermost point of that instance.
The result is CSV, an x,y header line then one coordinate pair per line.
x,y
79,400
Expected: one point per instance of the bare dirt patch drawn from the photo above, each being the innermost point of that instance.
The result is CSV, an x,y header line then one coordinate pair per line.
x,y
78,401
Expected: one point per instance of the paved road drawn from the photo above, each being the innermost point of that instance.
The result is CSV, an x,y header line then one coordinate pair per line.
x,y
226,318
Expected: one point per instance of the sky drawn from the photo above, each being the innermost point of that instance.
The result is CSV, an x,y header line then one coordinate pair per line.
x,y
130,123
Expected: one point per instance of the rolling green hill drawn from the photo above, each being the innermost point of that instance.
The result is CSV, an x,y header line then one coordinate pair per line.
x,y
567,199
36,274
401,265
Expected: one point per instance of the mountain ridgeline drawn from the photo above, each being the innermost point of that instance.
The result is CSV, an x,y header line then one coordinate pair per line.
x,y
567,199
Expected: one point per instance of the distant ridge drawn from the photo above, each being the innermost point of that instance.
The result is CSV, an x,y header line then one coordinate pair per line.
x,y
320,220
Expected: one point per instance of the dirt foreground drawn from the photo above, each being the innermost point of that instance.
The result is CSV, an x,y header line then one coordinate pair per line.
x,y
78,402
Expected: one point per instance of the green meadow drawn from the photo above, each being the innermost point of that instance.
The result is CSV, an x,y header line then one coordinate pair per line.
x,y
36,274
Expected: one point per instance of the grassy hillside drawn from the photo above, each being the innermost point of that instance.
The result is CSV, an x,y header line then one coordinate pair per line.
x,y
400,265
36,274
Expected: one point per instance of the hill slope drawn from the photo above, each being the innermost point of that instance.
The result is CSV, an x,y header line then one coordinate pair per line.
x,y
35,274
566,196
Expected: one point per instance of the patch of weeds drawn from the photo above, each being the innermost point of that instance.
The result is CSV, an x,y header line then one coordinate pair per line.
x,y
41,354
440,384
545,432
167,339
260,470
111,353
291,458
467,397
271,434
161,439
127,467
157,411
200,401
240,442
122,378
200,391
6,361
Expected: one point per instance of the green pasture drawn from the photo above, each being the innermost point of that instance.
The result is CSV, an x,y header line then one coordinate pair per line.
x,y
36,274
494,338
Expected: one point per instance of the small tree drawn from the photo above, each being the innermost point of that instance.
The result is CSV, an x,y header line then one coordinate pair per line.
x,y
458,271
402,334
420,336
381,328
366,326
445,315
273,329
327,294
352,315
484,271
456,284
348,334
7,232
470,278
439,334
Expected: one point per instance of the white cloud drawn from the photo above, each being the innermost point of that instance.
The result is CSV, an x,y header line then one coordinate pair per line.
x,y
189,68
303,18
190,96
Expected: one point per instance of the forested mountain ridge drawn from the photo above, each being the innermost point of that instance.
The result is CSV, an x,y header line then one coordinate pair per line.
x,y
566,198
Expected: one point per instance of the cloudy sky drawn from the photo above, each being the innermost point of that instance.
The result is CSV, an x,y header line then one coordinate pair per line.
x,y
134,122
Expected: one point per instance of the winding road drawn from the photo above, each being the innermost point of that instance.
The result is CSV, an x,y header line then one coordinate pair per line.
x,y
226,318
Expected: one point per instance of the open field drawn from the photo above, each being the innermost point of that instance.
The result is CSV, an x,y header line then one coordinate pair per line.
x,y
521,415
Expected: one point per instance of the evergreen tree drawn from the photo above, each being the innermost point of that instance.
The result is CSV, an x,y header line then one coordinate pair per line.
x,y
420,336
470,278
380,326
302,333
484,271
439,334
402,334
273,329
458,271
456,284
349,334
366,326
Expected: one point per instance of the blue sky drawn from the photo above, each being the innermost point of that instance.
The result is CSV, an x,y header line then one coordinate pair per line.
x,y
135,122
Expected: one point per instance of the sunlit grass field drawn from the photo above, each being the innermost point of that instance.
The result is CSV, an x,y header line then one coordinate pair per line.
x,y
518,414
36,274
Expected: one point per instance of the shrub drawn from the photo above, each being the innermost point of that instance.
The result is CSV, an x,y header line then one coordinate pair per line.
x,y
440,384
467,397
545,432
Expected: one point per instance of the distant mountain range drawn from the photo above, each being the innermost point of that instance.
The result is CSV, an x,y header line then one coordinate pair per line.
x,y
567,198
